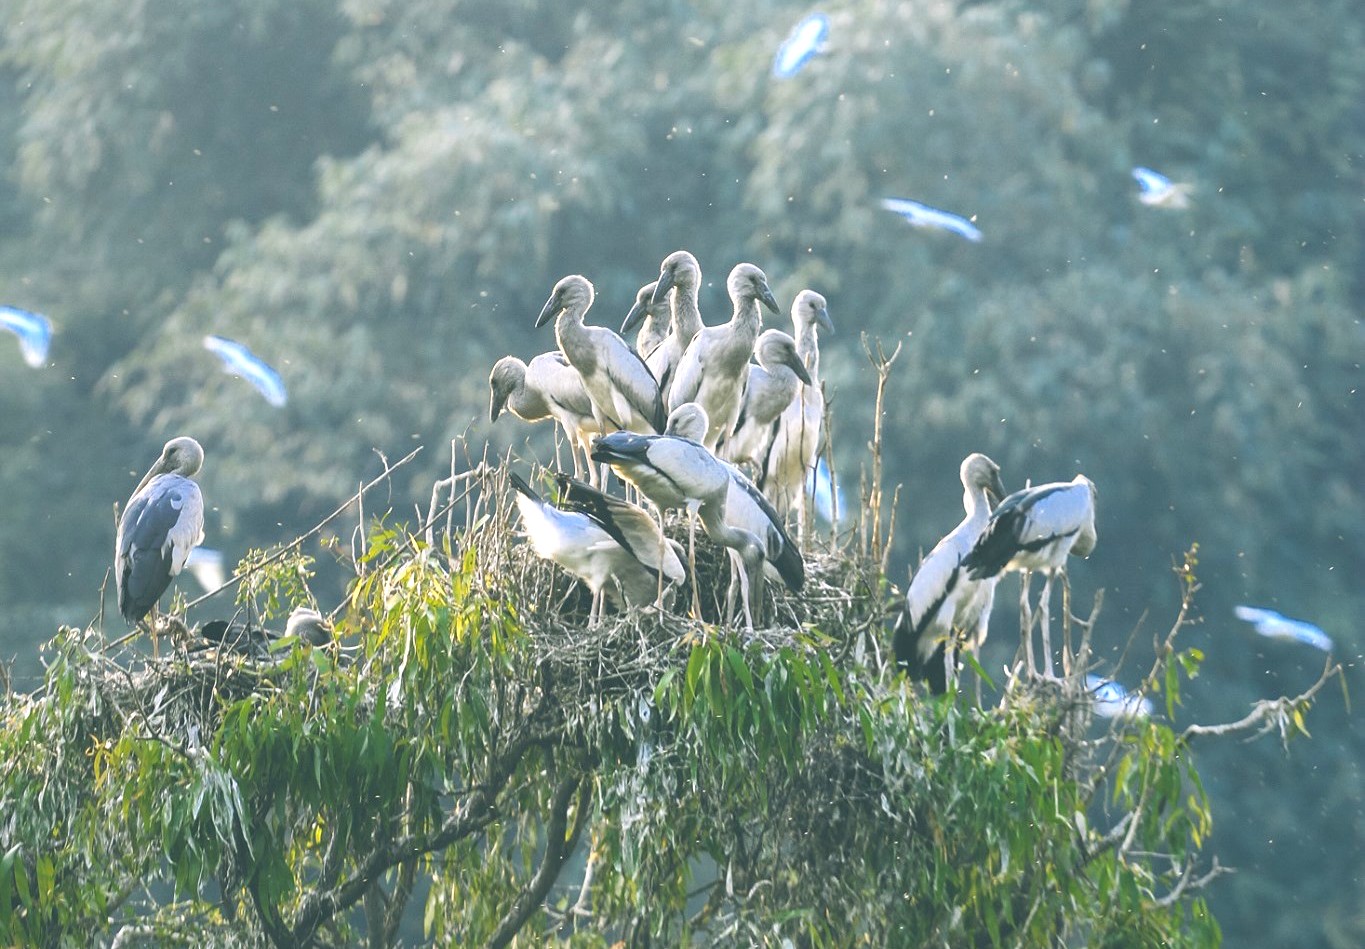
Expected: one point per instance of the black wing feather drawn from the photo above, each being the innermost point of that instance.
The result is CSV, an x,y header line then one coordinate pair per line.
x,y
144,563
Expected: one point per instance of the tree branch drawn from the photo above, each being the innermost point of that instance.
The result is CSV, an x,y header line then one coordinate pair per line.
x,y
1187,882
1266,713
529,900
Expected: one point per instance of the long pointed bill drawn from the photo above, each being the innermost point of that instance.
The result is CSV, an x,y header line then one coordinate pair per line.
x,y
995,491
636,314
496,404
159,467
549,310
823,321
661,288
793,359
766,297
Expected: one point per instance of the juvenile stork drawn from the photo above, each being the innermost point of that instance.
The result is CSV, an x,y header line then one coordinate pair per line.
x,y
677,287
1037,529
945,611
305,624
772,386
654,320
679,473
161,523
714,368
791,461
547,387
624,395
607,543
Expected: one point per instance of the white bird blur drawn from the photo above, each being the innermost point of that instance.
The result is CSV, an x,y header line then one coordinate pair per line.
x,y
611,545
547,387
678,285
826,498
772,386
1037,528
714,368
34,331
208,567
796,444
161,523
1112,700
806,39
1158,191
946,611
624,393
1274,625
921,215
242,362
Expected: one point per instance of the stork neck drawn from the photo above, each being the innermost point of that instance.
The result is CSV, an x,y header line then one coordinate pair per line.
x,y
684,311
975,504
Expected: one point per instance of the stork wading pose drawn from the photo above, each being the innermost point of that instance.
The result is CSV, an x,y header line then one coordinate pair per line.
x,y
624,395
945,610
791,460
161,523
773,384
1037,529
611,545
546,387
714,368
677,287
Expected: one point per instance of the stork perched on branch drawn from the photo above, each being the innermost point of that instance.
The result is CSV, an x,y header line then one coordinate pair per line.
x,y
1037,528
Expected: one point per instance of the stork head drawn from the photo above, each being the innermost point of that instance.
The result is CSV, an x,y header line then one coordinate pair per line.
x,y
309,626
747,282
809,308
679,269
978,471
775,348
1094,491
643,306
508,375
688,420
573,293
182,456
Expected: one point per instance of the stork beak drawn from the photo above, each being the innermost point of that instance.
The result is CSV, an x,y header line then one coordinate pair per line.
x,y
549,310
497,403
766,297
792,358
661,288
995,491
823,321
636,314
160,466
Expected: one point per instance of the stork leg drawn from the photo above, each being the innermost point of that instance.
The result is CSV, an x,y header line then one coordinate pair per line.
x,y
692,560
1026,621
1067,656
744,592
1044,605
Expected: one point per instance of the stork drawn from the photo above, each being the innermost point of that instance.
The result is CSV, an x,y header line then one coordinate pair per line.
x,y
714,368
1037,528
607,543
306,625
678,284
945,611
161,523
680,473
624,395
791,461
547,387
654,320
772,386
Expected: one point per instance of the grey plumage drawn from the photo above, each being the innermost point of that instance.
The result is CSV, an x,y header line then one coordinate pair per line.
x,y
547,387
654,320
796,442
677,287
161,523
772,386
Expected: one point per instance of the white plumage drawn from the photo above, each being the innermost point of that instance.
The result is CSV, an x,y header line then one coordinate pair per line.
x,y
791,462
1274,625
547,387
772,385
678,285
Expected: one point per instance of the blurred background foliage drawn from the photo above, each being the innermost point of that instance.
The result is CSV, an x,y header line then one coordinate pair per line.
x,y
377,196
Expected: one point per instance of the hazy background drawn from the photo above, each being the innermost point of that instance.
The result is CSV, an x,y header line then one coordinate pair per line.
x,y
378,196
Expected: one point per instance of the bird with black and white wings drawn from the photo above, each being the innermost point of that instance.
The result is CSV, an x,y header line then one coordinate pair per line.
x,y
772,386
946,611
624,393
33,330
161,523
1273,625
714,367
240,361
546,387
1037,529
611,545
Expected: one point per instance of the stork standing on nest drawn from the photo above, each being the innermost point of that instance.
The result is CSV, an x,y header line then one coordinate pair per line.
x,y
1037,529
791,461
677,288
773,384
946,611
305,624
624,394
161,523
607,543
714,368
546,387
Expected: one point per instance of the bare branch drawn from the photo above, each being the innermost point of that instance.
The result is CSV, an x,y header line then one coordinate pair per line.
x,y
1187,882
556,850
1267,714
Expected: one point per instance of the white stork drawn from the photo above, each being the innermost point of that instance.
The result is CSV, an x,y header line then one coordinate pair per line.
x,y
945,611
657,320
714,368
1037,529
678,285
161,523
791,462
547,387
624,395
607,543
773,384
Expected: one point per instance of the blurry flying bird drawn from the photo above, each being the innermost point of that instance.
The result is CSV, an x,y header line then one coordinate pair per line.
x,y
1112,700
240,361
34,331
827,499
1273,625
208,568
1158,191
162,522
806,39
921,215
